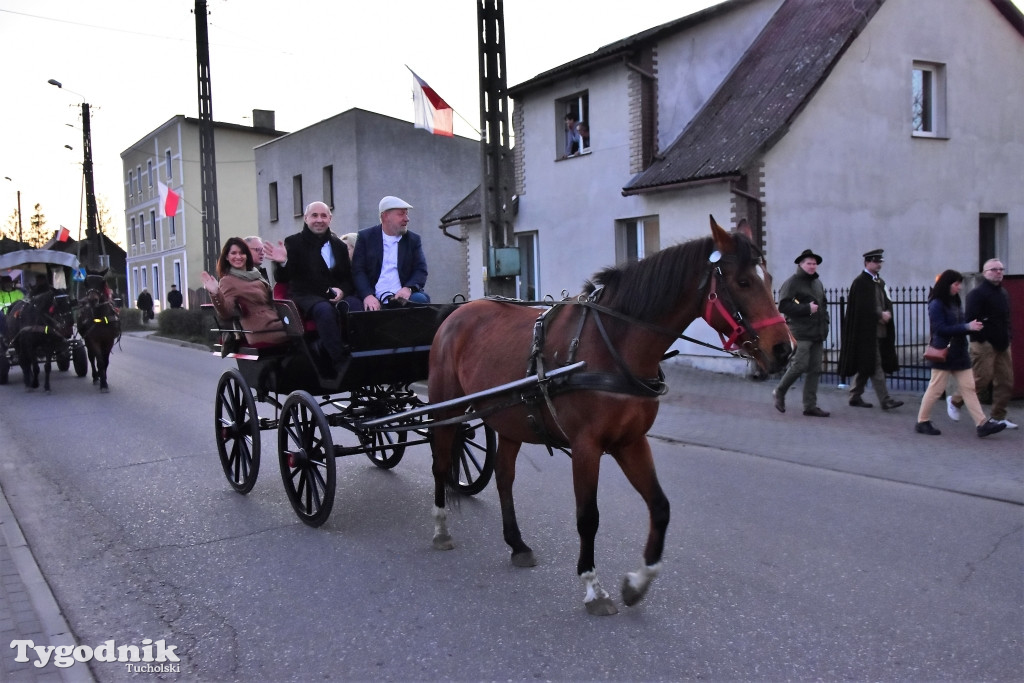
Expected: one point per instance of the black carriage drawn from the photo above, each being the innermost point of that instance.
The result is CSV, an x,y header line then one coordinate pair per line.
x,y
58,267
388,354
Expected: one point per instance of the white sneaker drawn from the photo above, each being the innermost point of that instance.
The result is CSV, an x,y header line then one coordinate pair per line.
x,y
952,410
1009,425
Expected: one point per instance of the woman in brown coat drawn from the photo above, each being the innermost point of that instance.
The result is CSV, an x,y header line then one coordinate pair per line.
x,y
242,291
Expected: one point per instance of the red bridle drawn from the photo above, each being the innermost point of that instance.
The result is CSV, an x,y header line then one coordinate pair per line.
x,y
734,319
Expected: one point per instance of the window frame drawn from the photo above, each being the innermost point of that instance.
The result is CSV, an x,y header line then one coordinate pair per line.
x,y
637,238
928,100
297,206
577,103
272,199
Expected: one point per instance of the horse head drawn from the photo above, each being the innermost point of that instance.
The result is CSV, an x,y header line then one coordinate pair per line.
x,y
739,303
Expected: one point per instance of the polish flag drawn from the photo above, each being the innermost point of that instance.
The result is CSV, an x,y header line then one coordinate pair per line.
x,y
168,200
63,235
432,113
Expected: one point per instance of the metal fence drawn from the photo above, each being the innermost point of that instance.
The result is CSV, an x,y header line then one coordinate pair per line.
x,y
910,313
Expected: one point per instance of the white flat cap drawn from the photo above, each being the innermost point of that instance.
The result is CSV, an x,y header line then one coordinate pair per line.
x,y
390,202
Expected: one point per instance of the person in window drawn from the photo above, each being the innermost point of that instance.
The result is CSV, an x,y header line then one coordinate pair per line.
x,y
388,260
241,291
583,128
572,136
949,330
314,263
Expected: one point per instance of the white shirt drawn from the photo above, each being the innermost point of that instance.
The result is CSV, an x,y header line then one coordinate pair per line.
x,y
389,280
328,255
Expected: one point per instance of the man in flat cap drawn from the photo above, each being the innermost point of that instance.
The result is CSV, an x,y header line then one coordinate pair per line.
x,y
869,336
802,301
388,260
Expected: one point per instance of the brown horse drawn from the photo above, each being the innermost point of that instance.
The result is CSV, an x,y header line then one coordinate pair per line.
x,y
99,325
621,326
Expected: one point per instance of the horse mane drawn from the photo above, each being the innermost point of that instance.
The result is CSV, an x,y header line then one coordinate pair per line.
x,y
649,288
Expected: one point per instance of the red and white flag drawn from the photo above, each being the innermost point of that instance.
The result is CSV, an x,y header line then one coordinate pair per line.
x,y
432,113
63,235
168,200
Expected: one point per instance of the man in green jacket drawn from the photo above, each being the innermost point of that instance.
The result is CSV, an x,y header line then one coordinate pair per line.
x,y
802,301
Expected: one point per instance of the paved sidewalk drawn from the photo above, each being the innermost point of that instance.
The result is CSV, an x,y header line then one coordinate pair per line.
x,y
28,610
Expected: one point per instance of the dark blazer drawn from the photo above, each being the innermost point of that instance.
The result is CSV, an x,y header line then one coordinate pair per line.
x,y
306,273
369,257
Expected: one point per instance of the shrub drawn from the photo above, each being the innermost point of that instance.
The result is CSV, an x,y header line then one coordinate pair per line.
x,y
131,319
188,324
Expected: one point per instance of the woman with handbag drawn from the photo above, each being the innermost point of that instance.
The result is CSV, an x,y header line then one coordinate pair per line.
x,y
949,334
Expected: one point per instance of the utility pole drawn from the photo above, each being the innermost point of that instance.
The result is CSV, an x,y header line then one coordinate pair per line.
x,y
501,257
207,153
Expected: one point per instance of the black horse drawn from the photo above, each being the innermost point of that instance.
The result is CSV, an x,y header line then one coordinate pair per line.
x,y
39,328
99,325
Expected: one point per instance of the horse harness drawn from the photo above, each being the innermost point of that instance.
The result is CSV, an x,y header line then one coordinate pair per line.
x,y
625,382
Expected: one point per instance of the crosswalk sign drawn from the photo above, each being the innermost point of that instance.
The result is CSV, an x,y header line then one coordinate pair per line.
x,y
78,275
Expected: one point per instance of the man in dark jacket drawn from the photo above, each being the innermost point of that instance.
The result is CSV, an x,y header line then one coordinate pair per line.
x,y
315,265
802,301
389,258
869,335
990,347
174,297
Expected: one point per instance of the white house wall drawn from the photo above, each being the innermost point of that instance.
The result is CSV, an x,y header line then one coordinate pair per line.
x,y
849,177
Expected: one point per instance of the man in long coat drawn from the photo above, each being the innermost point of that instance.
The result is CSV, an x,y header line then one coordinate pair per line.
x,y
869,336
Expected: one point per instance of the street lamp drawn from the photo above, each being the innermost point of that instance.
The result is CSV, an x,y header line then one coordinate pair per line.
x,y
19,208
91,210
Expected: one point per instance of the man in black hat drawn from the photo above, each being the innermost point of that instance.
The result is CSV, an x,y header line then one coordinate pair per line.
x,y
868,348
802,301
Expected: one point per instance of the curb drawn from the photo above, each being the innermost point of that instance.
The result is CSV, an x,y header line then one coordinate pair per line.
x,y
55,627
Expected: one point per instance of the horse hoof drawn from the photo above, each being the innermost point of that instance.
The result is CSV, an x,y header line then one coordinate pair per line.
x,y
443,542
524,559
104,390
601,607
630,595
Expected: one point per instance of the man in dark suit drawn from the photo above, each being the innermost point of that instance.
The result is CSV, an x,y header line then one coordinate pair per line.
x,y
389,259
868,348
315,265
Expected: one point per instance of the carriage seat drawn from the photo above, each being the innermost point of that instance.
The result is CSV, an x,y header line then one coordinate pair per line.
x,y
281,296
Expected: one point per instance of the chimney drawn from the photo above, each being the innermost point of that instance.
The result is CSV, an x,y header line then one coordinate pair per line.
x,y
263,118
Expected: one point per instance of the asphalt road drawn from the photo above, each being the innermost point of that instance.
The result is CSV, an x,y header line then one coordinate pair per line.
x,y
799,549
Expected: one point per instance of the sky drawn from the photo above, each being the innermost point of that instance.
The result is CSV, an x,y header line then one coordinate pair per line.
x,y
134,62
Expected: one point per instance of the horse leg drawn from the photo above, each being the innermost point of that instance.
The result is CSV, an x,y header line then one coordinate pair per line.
x,y
504,477
586,466
46,369
638,466
103,362
442,441
93,364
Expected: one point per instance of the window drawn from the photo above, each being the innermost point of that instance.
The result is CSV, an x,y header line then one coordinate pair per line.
x,y
636,238
149,172
152,222
928,112
177,276
142,228
167,164
572,125
144,274
131,232
170,225
272,191
131,186
156,284
297,208
329,186
138,179
992,237
527,282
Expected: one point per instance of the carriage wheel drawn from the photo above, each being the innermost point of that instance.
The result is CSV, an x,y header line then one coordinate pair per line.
x,y
391,447
474,451
237,431
63,359
5,366
306,451
80,361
